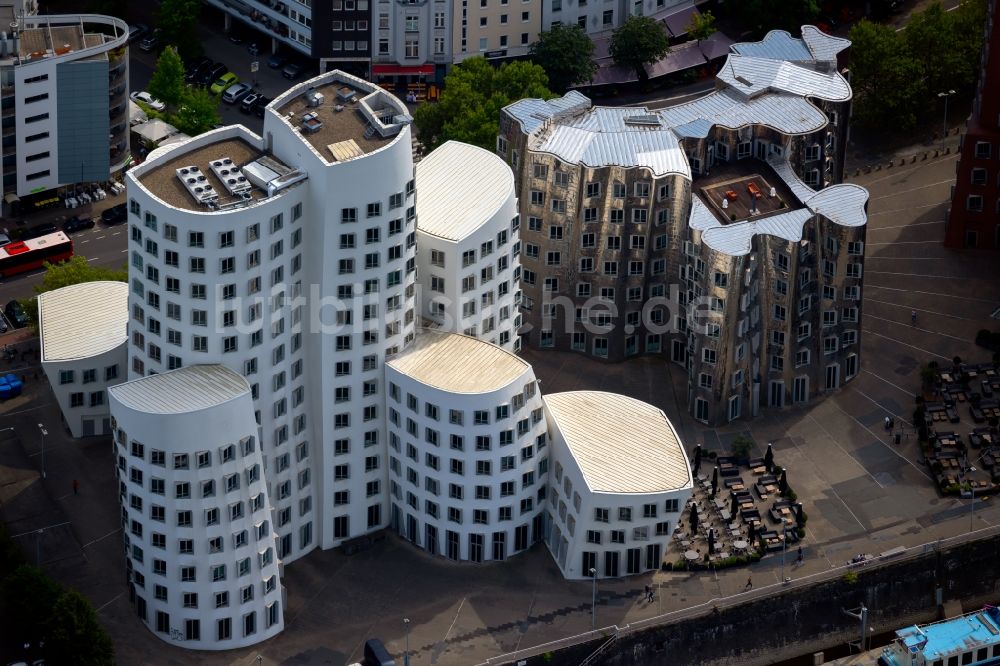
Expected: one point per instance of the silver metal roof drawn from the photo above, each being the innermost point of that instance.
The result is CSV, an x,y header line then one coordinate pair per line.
x,y
83,320
842,204
776,45
189,389
532,112
655,149
788,114
823,47
753,76
622,445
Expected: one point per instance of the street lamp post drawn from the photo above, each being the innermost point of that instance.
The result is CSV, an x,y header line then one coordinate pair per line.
x,y
944,128
44,433
406,654
593,600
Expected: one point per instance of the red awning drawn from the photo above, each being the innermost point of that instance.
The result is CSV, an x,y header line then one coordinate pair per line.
x,y
403,70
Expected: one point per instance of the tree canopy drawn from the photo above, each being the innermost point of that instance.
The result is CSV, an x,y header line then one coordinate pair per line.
x,y
640,41
761,15
702,25
198,111
178,24
896,74
74,271
566,53
167,82
473,95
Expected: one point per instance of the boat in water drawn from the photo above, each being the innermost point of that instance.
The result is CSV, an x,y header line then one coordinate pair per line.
x,y
972,639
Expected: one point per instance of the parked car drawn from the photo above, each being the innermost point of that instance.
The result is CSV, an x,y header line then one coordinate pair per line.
x,y
223,82
136,31
39,230
4,239
277,60
148,43
246,104
148,100
210,74
77,223
195,67
292,71
15,314
259,105
115,214
376,654
236,92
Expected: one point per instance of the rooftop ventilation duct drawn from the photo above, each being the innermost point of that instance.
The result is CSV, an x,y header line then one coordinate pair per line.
x,y
197,184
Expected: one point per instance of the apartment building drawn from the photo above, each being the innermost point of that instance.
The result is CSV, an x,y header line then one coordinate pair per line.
x,y
495,28
714,232
468,452
974,215
468,234
63,103
82,362
196,514
620,480
606,15
272,310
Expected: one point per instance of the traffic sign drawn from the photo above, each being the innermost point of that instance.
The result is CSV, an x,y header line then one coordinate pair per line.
x,y
254,66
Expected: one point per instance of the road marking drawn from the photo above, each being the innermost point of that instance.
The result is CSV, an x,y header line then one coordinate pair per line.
x,y
898,305
92,258
916,328
908,392
936,241
931,293
445,639
890,174
916,189
116,233
100,237
846,453
113,600
84,241
905,226
879,439
904,210
922,275
89,543
123,251
919,349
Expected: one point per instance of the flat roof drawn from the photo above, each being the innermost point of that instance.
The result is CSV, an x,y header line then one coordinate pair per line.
x,y
960,634
163,182
189,389
621,444
457,363
461,187
735,177
83,320
348,123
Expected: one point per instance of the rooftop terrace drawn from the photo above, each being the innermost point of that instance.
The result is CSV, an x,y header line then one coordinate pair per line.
x,y
162,180
342,117
726,191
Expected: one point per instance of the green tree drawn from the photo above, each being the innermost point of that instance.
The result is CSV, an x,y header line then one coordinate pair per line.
x,y
198,112
946,45
74,271
74,635
702,26
474,93
167,82
761,15
640,41
178,24
885,77
26,602
566,54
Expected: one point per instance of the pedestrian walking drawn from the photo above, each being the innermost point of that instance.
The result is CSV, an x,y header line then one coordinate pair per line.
x,y
913,317
76,487
646,596
800,555
749,585
649,593
888,423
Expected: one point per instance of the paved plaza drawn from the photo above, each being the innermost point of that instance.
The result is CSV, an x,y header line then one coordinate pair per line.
x,y
863,494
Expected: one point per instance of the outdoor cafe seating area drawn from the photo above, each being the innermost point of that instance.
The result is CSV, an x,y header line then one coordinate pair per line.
x,y
734,509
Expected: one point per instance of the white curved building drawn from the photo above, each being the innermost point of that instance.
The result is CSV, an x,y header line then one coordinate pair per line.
x,y
83,330
468,448
620,479
298,274
196,515
469,244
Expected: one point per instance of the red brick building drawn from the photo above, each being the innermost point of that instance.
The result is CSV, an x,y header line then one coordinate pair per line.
x,y
974,216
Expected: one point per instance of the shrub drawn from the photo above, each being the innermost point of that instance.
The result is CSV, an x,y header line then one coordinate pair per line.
x,y
742,446
851,577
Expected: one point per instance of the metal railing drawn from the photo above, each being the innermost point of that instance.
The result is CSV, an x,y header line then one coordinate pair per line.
x,y
615,633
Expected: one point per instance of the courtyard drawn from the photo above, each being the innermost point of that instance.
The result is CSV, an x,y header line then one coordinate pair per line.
x,y
863,492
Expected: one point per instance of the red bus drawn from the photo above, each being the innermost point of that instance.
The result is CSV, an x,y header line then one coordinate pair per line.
x,y
29,255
